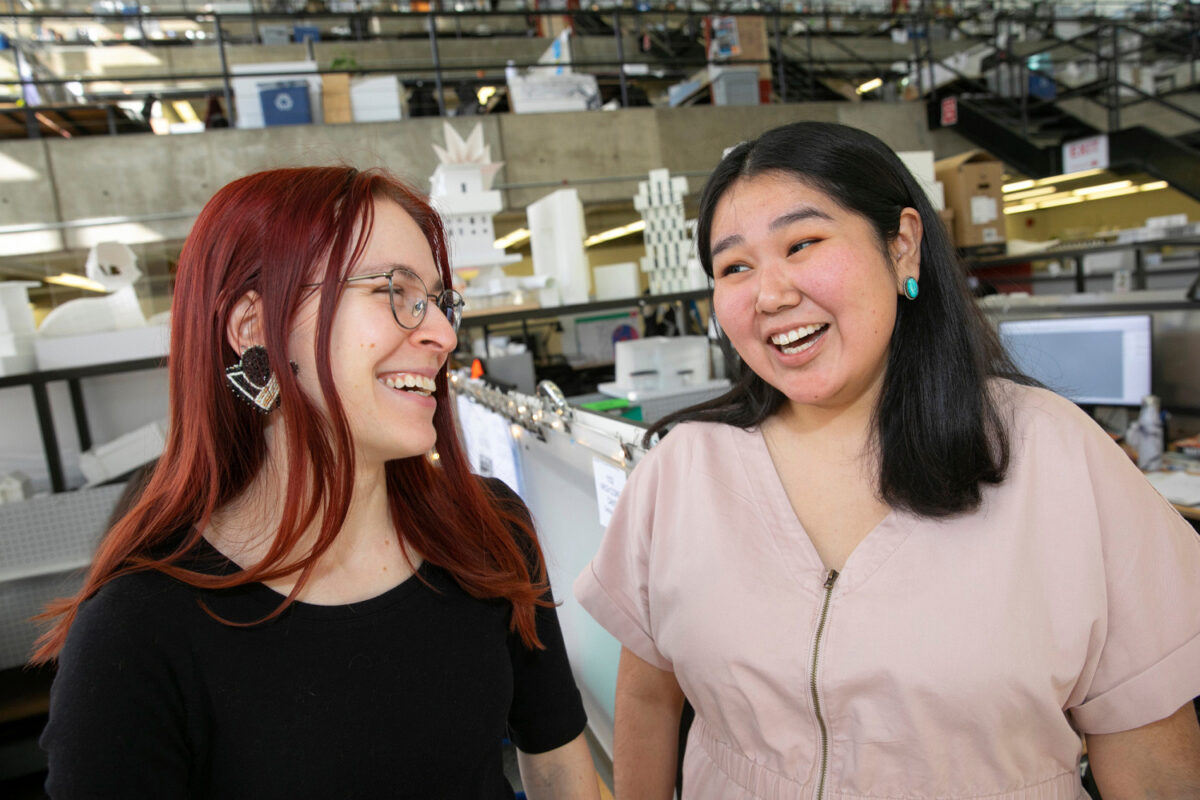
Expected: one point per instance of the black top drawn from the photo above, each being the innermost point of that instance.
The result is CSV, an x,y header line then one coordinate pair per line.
x,y
406,695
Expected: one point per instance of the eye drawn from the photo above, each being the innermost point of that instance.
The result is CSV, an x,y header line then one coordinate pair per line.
x,y
798,246
732,269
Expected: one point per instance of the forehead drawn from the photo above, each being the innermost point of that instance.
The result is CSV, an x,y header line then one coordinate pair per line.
x,y
770,193
397,239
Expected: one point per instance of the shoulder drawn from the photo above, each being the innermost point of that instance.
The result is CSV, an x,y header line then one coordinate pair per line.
x,y
698,441
132,607
1033,414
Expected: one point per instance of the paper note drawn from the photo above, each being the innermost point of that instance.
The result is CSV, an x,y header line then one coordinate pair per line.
x,y
610,480
983,209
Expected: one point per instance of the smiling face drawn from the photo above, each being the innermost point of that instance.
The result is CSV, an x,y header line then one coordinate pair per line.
x,y
804,291
384,374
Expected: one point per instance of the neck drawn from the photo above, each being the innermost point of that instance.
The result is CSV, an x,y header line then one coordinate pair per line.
x,y
847,426
244,530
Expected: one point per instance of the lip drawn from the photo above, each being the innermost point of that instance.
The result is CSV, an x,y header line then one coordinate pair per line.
x,y
428,372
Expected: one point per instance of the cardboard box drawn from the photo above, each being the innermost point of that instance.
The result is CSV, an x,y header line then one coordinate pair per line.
x,y
335,96
972,183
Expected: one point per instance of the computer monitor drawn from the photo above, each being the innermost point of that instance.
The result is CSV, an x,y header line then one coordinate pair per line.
x,y
1101,361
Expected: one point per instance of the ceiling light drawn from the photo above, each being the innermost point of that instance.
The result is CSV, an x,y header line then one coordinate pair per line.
x,y
1069,176
869,86
1020,208
484,94
1039,192
1016,186
185,111
511,239
1102,187
75,282
615,233
1064,201
1150,187
1114,193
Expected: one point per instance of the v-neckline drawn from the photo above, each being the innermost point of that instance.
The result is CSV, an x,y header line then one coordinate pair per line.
x,y
796,547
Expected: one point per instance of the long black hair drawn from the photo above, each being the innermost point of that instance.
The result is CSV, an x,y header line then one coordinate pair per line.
x,y
938,429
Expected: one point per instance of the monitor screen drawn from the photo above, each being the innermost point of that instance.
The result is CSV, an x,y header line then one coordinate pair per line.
x,y
1101,361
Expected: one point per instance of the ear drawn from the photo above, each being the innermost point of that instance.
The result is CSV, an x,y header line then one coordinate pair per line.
x,y
244,328
905,248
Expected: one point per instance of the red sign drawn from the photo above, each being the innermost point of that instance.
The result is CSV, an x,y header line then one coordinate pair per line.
x,y
949,111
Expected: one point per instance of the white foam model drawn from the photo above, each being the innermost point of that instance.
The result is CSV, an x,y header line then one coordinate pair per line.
x,y
461,190
16,328
556,233
669,246
113,266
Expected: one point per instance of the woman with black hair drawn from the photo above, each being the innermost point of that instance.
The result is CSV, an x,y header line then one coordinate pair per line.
x,y
884,565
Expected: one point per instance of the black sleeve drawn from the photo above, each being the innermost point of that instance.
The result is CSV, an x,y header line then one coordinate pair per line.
x,y
117,726
547,711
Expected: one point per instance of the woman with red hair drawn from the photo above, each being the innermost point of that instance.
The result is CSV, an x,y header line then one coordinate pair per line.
x,y
302,603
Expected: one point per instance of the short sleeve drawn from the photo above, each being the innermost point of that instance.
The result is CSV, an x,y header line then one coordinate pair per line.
x,y
1145,664
117,725
546,711
615,587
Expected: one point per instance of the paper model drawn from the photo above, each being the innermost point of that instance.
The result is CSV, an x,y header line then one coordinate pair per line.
x,y
669,246
114,266
461,190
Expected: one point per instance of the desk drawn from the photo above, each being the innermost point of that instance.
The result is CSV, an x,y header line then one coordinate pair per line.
x,y
1190,513
37,383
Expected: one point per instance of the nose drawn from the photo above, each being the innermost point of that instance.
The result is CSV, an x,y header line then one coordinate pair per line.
x,y
777,290
436,331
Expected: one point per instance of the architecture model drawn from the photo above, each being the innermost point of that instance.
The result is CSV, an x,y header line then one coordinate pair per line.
x,y
668,242
461,189
114,267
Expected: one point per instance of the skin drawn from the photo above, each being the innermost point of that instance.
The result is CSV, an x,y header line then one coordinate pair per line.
x,y
366,559
786,255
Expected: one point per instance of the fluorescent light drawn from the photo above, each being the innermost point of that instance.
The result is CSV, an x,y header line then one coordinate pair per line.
x,y
1020,208
484,94
1016,186
1065,201
870,86
1114,193
1069,176
1039,192
75,282
1102,187
185,111
615,233
1150,187
510,239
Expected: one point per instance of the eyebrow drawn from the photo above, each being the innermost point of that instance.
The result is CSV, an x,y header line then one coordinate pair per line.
x,y
798,215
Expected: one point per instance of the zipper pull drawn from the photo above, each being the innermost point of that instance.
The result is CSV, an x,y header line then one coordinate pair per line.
x,y
833,575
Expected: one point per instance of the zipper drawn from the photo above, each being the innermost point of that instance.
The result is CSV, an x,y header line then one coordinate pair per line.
x,y
812,683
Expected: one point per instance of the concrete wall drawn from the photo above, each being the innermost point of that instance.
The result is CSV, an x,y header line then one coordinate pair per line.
x,y
143,175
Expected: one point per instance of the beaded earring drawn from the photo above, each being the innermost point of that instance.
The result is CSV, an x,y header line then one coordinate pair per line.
x,y
251,380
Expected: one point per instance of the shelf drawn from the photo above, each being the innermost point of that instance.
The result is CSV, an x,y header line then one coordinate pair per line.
x,y
542,312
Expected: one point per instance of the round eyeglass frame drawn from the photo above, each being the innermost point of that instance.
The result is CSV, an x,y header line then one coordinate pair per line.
x,y
448,301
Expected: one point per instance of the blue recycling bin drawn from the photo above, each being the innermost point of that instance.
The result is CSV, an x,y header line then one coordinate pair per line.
x,y
285,103
303,33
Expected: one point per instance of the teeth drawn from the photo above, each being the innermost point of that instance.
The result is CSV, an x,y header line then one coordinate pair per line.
x,y
800,348
782,339
419,384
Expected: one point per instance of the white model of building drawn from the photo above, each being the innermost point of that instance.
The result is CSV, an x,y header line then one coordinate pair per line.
x,y
16,328
556,234
668,243
114,267
461,190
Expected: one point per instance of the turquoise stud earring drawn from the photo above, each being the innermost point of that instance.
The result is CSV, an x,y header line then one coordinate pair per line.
x,y
911,290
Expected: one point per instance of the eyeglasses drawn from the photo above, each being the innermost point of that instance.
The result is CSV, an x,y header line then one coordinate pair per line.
x,y
409,298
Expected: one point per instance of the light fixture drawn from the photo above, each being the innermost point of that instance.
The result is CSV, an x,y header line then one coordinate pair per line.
x,y
185,111
1114,193
869,86
1068,176
75,282
1102,187
1039,192
1016,186
1064,201
1017,209
484,94
1150,187
511,239
615,233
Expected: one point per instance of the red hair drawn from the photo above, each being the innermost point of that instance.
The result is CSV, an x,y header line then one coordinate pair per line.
x,y
272,233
